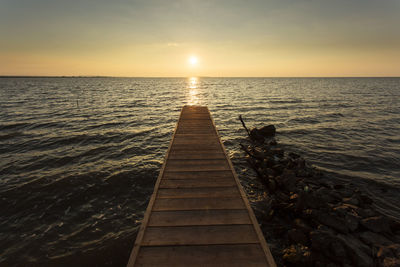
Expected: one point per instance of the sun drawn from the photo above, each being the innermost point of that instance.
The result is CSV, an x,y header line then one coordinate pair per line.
x,y
193,60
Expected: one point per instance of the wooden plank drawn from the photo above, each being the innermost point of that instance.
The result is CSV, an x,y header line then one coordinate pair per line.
x,y
193,183
193,131
199,217
210,255
196,130
195,109
198,203
195,118
193,148
195,136
200,235
198,175
200,141
196,124
198,192
205,154
197,165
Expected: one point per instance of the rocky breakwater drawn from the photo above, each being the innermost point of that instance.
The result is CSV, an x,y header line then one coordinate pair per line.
x,y
317,221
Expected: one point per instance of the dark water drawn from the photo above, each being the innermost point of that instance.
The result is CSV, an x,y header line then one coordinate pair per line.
x,y
79,156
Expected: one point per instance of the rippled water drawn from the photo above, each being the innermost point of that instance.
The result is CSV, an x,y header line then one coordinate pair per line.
x,y
79,156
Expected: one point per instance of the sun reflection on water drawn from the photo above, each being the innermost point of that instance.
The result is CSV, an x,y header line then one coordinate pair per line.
x,y
193,95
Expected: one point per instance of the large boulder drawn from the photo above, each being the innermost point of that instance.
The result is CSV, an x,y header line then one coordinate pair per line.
x,y
301,225
366,213
371,239
389,251
326,242
297,237
359,253
333,221
268,131
378,224
351,200
352,221
256,135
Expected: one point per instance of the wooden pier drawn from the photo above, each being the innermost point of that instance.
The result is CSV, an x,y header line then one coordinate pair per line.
x,y
199,214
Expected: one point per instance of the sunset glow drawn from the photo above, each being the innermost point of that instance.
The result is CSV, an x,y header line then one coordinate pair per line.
x,y
156,38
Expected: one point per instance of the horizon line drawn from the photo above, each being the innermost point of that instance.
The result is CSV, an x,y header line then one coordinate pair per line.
x,y
200,76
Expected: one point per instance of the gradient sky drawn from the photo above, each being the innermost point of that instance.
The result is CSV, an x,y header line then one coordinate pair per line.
x,y
229,37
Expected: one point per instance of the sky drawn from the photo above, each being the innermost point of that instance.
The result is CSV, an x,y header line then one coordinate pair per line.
x,y
253,38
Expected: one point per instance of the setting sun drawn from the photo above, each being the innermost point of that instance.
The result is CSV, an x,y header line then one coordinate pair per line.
x,y
193,60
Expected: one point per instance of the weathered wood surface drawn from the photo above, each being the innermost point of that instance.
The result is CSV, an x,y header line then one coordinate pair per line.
x,y
199,214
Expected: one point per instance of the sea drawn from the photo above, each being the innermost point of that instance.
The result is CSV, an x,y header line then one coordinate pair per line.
x,y
79,156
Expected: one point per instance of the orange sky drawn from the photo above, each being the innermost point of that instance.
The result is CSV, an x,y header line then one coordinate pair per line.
x,y
229,38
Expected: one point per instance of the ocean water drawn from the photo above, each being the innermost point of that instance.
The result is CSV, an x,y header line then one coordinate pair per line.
x,y
79,156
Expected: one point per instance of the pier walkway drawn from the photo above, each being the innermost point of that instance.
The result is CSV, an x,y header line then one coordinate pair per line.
x,y
199,214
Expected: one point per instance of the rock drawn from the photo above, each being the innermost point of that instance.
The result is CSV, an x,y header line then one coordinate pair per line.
x,y
279,230
269,162
352,221
300,162
371,238
378,224
366,199
326,195
289,174
389,251
357,250
297,237
396,238
394,225
366,213
302,225
391,262
294,197
279,152
338,186
268,130
278,168
329,244
273,143
333,222
351,200
287,180
270,171
302,173
345,208
311,200
296,254
282,197
300,203
272,185
318,259
294,155
258,153
338,249
321,239
290,164
308,214
256,135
